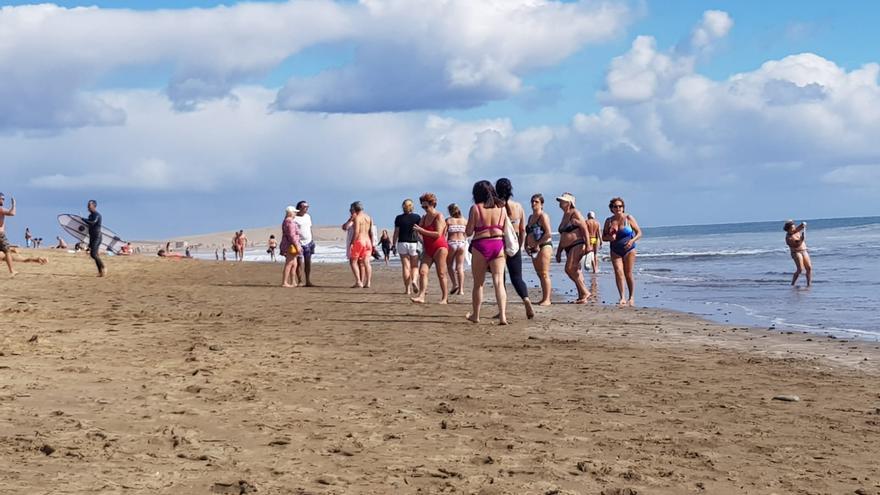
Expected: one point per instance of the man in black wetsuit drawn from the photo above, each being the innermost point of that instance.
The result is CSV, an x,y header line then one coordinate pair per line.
x,y
94,223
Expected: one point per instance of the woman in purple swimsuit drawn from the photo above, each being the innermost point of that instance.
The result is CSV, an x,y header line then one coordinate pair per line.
x,y
486,223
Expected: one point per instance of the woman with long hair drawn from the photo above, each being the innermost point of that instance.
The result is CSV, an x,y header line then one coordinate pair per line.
x,y
622,231
796,241
385,242
539,245
572,239
432,228
289,247
486,225
517,216
455,237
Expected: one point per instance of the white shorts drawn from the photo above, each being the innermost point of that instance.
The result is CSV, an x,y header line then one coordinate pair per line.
x,y
409,249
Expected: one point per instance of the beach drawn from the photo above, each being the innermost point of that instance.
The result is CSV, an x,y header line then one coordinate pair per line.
x,y
187,376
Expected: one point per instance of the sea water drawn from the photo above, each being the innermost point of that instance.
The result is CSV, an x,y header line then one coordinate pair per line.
x,y
738,274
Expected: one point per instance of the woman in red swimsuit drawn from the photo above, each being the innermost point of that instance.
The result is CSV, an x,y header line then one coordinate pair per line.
x,y
432,228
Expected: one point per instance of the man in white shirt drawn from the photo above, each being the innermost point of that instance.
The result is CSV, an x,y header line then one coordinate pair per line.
x,y
304,221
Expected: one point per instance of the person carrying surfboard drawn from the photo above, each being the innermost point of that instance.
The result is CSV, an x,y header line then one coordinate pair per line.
x,y
5,247
95,237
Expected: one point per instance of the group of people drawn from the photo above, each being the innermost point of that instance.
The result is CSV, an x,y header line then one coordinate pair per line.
x,y
443,242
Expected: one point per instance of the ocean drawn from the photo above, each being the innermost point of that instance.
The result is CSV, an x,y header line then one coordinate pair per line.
x,y
739,274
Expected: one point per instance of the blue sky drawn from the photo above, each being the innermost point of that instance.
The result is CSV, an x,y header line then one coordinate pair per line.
x,y
182,121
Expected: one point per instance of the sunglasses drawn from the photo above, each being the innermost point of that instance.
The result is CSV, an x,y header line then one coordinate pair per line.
x,y
617,206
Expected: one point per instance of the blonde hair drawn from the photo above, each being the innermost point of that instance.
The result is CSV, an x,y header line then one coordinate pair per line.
x,y
454,210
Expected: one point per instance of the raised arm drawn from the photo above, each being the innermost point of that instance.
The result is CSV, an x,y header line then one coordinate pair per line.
x,y
10,212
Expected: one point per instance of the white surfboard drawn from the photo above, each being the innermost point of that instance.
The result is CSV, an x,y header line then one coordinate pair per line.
x,y
76,227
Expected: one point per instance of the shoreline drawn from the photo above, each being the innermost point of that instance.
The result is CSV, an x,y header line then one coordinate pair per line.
x,y
172,376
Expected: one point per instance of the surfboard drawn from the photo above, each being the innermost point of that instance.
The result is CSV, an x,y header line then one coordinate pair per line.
x,y
76,227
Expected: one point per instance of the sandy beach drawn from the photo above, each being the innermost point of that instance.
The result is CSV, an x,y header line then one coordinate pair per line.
x,y
187,377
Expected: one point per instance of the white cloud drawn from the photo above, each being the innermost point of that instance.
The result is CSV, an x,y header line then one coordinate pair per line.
x,y
411,54
857,176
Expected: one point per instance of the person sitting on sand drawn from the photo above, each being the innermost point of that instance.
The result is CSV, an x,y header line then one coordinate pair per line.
x,y
5,247
167,254
125,250
361,247
797,244
432,228
61,244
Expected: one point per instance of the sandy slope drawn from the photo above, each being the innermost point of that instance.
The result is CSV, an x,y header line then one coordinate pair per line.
x,y
187,377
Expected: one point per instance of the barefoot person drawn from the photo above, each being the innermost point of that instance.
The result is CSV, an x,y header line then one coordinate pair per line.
x,y
5,247
361,247
13,253
95,236
432,228
290,247
385,242
539,245
28,237
797,245
622,231
573,237
455,238
407,242
486,224
304,221
517,216
271,247
242,244
595,241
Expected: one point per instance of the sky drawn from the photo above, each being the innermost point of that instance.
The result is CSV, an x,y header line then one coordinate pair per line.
x,y
184,117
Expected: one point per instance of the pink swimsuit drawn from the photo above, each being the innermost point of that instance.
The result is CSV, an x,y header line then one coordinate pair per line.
x,y
489,247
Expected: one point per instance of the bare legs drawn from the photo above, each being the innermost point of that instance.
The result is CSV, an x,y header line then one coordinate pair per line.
x,y
541,261
409,274
354,264
623,271
573,259
439,261
8,256
802,263
304,271
595,261
289,272
455,267
478,268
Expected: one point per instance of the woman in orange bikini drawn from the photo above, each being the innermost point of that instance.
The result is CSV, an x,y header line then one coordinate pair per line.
x,y
432,228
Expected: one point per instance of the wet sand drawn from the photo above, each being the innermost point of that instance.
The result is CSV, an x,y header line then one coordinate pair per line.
x,y
187,377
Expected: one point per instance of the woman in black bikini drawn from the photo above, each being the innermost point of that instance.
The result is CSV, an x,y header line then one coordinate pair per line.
x,y
572,239
540,246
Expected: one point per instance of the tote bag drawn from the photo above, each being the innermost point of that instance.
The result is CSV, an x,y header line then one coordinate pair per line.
x,y
511,241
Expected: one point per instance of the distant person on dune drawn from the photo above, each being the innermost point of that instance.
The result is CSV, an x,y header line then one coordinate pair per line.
x,y
5,247
61,244
27,237
304,222
95,236
795,238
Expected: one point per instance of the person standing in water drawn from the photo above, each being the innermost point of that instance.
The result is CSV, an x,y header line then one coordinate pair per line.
x,y
797,244
95,236
594,230
5,247
270,248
